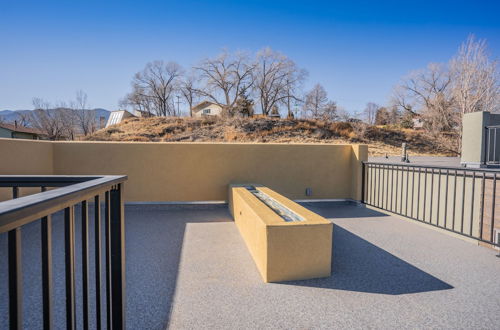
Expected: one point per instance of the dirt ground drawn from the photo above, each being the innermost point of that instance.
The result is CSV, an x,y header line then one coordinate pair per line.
x,y
381,140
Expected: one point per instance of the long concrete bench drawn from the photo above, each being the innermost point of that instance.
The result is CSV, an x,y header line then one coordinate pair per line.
x,y
287,241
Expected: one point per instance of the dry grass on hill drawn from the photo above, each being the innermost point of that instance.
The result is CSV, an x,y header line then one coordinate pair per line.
x,y
381,140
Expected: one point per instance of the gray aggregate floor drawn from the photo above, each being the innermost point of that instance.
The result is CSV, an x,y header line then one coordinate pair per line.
x,y
189,269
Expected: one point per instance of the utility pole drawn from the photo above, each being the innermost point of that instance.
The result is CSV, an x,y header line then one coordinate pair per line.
x,y
178,102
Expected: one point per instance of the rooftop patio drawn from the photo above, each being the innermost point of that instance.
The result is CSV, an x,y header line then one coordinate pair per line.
x,y
188,267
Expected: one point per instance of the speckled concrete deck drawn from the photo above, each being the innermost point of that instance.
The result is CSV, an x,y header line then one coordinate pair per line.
x,y
189,269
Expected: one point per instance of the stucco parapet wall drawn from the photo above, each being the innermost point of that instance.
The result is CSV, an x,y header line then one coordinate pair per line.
x,y
196,171
282,251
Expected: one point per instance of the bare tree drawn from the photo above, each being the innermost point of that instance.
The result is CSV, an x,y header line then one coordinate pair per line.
x,y
84,117
329,111
225,78
315,101
154,87
428,92
475,78
293,88
138,100
275,80
188,91
50,122
370,112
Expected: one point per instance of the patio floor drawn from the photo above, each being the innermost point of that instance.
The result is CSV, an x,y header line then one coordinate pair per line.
x,y
188,267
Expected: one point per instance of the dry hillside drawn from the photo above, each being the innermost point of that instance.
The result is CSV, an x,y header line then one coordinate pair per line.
x,y
381,140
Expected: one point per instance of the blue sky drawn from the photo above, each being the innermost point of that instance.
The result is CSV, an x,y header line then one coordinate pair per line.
x,y
358,50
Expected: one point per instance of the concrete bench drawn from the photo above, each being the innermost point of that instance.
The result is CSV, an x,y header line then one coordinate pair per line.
x,y
287,241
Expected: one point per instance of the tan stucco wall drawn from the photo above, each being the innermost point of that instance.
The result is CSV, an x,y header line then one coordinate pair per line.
x,y
282,251
23,157
194,171
359,154
473,136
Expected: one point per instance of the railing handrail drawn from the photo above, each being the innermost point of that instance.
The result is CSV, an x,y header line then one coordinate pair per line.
x,y
44,180
453,168
492,126
20,211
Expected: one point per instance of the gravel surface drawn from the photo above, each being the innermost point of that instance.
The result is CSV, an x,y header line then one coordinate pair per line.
x,y
188,268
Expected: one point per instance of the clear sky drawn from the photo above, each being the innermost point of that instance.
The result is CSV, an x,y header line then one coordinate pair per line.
x,y
357,49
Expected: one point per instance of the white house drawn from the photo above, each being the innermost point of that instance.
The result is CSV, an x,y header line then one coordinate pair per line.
x,y
206,108
418,122
118,116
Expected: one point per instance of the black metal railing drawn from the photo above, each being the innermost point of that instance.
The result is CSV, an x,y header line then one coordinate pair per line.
x,y
71,191
460,200
492,145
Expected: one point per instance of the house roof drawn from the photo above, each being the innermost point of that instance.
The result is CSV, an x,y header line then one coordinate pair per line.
x,y
203,104
20,129
124,111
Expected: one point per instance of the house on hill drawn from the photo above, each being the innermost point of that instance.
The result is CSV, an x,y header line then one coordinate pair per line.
x,y
118,116
15,131
418,122
206,108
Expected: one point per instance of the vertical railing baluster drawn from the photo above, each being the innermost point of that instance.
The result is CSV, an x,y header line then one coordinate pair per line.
x,y
439,197
407,198
379,192
472,202
107,234
396,195
432,195
372,184
69,248
463,203
446,198
418,193
454,202
117,258
412,190
425,195
481,219
370,179
47,271
97,238
363,188
15,279
15,192
85,264
492,226
392,187
386,187
15,275
401,191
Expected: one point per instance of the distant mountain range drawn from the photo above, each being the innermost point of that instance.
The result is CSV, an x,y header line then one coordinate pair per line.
x,y
12,115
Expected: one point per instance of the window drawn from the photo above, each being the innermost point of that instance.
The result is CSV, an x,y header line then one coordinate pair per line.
x,y
206,111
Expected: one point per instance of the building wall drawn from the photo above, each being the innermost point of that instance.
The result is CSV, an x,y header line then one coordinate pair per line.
x,y
21,135
215,110
5,133
197,171
24,157
473,139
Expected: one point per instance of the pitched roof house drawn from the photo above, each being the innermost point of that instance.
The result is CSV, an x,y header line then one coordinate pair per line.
x,y
206,108
15,131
